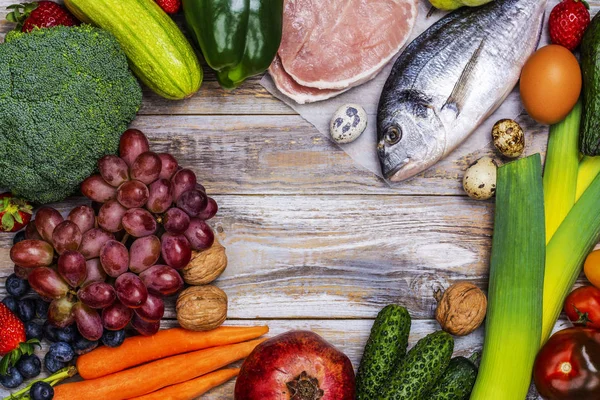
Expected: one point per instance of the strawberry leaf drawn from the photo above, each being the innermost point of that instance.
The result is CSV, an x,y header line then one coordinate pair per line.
x,y
17,216
4,364
8,222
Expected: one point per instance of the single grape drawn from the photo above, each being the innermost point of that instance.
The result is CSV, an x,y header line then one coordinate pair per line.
x,y
152,310
110,216
169,166
193,202
200,188
84,217
131,291
210,210
46,219
92,241
21,272
200,235
60,312
143,327
133,194
133,143
162,280
114,258
139,222
144,253
95,272
113,170
66,236
146,167
72,267
48,283
160,198
175,250
182,181
175,221
96,189
116,316
88,321
31,232
32,253
97,295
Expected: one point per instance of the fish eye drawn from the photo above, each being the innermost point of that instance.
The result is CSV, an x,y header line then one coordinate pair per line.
x,y
393,136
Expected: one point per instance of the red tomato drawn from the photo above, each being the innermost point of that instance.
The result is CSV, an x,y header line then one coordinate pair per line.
x,y
568,366
583,307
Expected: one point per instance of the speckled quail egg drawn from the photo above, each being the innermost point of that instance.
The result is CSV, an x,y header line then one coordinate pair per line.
x,y
480,179
508,138
348,123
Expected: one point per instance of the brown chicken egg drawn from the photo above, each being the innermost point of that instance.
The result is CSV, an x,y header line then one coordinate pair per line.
x,y
550,84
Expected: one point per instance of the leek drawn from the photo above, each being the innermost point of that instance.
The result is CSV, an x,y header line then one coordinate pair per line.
x,y
589,168
566,253
514,319
560,171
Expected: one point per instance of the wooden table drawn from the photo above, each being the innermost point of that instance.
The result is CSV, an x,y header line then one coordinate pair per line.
x,y
314,241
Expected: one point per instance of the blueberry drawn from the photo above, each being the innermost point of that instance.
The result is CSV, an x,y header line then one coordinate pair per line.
x,y
50,332
12,379
66,334
16,286
81,345
41,391
11,303
41,308
33,330
113,338
62,351
52,364
19,237
29,366
26,309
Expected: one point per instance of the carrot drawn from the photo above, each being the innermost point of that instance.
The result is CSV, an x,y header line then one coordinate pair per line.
x,y
169,342
150,377
191,389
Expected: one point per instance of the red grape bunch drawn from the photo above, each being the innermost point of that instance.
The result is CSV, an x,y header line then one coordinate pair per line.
x,y
106,270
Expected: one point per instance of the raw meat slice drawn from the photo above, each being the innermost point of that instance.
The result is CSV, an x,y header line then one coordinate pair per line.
x,y
335,44
300,94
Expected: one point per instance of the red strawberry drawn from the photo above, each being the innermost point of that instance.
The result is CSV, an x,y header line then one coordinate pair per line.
x,y
568,22
40,14
13,342
14,213
169,6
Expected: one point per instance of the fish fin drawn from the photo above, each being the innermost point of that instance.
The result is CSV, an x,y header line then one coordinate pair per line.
x,y
461,90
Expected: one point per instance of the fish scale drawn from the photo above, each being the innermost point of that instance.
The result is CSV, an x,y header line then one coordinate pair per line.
x,y
450,79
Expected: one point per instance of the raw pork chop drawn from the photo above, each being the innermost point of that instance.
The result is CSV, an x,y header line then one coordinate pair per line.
x,y
336,44
300,94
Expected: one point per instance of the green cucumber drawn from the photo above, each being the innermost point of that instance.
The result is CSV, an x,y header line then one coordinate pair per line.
x,y
386,346
158,52
420,369
589,139
457,381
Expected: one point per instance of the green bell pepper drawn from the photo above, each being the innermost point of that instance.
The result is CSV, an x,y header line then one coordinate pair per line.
x,y
238,38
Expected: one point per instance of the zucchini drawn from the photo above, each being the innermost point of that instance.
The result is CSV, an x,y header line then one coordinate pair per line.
x,y
589,141
386,346
158,52
420,369
513,328
457,381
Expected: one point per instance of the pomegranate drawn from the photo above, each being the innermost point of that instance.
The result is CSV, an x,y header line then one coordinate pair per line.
x,y
297,365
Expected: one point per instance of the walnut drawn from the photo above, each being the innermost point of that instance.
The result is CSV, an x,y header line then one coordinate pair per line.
x,y
201,308
461,309
205,266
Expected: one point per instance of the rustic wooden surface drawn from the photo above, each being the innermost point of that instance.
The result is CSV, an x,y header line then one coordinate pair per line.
x,y
314,241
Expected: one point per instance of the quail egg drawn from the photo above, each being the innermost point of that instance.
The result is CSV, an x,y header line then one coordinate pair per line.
x,y
348,123
480,179
508,138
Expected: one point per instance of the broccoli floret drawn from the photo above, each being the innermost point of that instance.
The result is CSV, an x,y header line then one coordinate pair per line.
x,y
66,96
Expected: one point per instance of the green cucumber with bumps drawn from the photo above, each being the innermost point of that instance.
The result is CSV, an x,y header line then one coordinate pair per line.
x,y
385,348
458,380
418,372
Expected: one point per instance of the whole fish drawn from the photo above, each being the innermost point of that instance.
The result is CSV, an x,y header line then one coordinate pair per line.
x,y
450,79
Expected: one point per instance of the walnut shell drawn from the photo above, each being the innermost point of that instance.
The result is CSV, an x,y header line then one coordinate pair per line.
x,y
201,308
461,309
205,266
